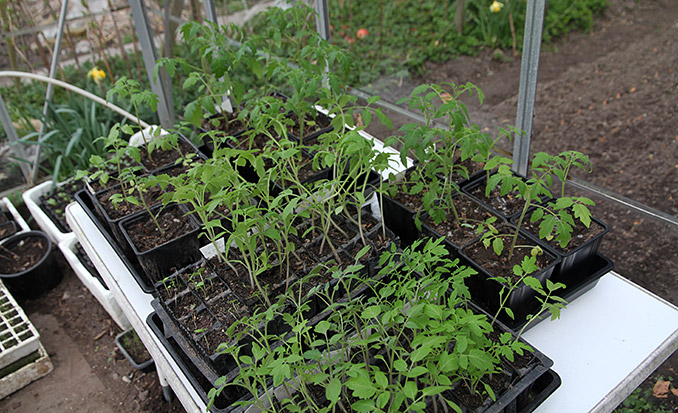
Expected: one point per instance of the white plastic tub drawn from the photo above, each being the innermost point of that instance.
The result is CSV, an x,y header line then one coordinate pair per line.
x,y
18,336
7,206
98,290
32,199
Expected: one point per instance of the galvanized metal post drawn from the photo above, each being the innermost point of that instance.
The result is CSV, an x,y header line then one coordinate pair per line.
x,y
13,138
322,19
534,22
50,87
322,23
211,11
160,86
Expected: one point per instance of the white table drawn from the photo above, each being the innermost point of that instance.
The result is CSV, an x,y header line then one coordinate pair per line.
x,y
605,344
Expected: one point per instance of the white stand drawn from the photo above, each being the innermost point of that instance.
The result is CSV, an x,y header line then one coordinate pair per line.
x,y
605,344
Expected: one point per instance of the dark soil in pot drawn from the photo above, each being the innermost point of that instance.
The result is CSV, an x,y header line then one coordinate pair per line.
x,y
54,203
160,158
311,126
470,214
476,401
146,235
122,209
411,201
134,347
22,256
184,304
228,309
226,122
508,205
27,264
197,322
501,265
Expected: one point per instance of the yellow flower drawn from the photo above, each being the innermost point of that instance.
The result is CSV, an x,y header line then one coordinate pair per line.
x,y
496,6
96,74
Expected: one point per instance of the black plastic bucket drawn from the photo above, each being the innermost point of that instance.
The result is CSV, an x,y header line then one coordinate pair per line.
x,y
38,279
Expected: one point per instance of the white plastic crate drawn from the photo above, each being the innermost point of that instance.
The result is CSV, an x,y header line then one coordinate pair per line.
x,y
18,337
26,374
32,199
98,290
7,205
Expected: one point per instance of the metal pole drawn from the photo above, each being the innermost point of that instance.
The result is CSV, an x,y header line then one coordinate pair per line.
x,y
160,86
50,88
211,11
13,137
534,22
322,19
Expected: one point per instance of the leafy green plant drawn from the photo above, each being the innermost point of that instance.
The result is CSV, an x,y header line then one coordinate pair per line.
x,y
555,218
410,341
116,159
130,88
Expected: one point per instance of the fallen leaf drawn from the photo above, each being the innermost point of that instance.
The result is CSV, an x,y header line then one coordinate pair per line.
x,y
618,95
359,120
633,89
675,392
661,389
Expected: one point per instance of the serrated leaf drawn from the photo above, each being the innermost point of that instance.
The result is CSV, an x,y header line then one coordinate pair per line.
x,y
582,213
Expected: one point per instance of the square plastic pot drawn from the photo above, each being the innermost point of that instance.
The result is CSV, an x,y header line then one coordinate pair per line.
x,y
486,291
143,365
165,258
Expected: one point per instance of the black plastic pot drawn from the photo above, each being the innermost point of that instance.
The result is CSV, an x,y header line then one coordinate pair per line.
x,y
143,365
400,219
478,185
486,291
166,258
309,137
187,148
454,245
85,199
580,284
576,260
38,279
200,378
113,224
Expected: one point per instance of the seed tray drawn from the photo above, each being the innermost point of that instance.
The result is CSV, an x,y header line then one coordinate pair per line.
x,y
18,336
